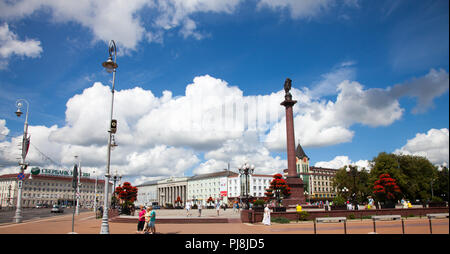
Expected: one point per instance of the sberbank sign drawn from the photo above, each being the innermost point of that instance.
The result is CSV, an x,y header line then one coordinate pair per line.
x,y
55,172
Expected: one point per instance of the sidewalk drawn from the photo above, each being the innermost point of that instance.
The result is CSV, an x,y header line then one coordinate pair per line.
x,y
86,223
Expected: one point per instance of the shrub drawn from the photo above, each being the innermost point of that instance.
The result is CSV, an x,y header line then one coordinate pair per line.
x,y
303,215
435,199
259,202
339,201
280,220
351,216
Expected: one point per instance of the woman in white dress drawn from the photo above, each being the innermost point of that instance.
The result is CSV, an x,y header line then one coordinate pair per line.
x,y
266,218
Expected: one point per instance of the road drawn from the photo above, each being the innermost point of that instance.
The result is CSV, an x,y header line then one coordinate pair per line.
x,y
7,215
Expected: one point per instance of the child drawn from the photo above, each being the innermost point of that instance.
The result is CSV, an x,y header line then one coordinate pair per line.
x,y
152,221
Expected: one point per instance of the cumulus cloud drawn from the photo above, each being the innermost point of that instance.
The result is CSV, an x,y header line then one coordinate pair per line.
x,y
11,45
434,145
341,161
123,21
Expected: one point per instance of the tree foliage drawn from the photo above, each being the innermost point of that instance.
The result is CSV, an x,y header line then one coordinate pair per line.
x,y
356,181
413,174
127,192
386,189
278,188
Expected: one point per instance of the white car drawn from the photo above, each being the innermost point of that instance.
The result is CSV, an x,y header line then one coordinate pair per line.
x,y
57,209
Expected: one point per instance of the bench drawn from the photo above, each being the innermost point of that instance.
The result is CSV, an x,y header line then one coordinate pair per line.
x,y
387,218
436,216
331,219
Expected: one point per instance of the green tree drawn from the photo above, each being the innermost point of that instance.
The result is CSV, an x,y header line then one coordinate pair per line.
x,y
356,181
413,174
441,184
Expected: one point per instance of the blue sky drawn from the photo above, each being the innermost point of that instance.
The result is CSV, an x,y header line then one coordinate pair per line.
x,y
370,76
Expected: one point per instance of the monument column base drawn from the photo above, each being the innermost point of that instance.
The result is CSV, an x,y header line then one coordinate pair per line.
x,y
297,188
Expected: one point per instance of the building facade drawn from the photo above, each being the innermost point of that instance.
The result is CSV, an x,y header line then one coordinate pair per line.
x,y
49,189
168,190
214,185
147,194
318,181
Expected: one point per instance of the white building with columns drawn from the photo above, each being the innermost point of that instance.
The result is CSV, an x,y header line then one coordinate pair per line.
x,y
170,189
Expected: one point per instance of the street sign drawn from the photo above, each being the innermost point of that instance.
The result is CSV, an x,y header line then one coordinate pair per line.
x,y
21,176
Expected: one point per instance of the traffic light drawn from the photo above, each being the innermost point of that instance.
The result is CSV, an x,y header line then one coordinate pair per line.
x,y
113,126
75,176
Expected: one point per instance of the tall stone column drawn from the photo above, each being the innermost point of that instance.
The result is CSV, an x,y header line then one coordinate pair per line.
x,y
292,179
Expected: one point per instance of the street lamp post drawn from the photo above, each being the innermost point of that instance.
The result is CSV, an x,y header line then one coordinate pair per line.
x,y
23,165
116,178
110,66
246,171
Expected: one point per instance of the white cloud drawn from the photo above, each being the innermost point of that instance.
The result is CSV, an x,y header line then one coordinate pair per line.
x,y
305,9
323,123
247,149
341,161
123,21
3,129
434,145
10,45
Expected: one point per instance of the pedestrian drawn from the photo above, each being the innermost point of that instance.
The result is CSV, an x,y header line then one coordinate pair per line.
x,y
152,220
100,209
188,209
409,204
200,209
266,217
217,207
141,220
147,220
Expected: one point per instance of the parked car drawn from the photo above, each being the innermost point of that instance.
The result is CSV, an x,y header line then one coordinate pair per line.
x,y
41,206
57,209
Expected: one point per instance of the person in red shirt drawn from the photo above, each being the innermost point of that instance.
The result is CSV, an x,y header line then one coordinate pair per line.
x,y
141,221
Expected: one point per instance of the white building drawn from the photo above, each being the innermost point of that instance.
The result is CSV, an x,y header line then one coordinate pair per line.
x,y
147,194
170,189
258,186
214,185
224,186
49,189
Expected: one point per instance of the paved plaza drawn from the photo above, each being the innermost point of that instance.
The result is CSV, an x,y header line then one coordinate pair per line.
x,y
86,223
